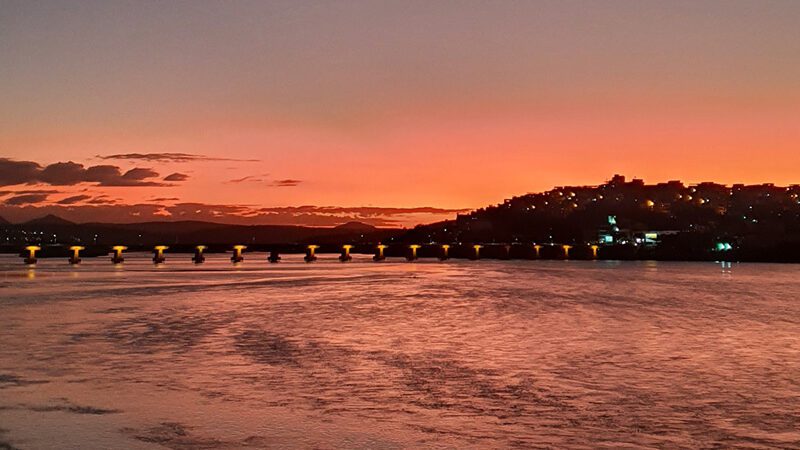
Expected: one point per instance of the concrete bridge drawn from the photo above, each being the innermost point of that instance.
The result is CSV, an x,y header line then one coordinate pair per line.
x,y
379,252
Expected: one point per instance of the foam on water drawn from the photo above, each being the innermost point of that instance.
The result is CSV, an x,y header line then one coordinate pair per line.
x,y
398,355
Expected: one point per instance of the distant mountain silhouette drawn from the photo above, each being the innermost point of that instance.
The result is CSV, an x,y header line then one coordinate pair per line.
x,y
196,232
50,220
356,226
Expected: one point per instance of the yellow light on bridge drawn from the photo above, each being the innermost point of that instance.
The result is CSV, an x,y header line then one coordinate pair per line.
x,y
476,251
237,253
445,252
75,258
199,257
594,251
117,257
566,250
345,256
31,258
538,250
379,252
158,254
310,253
412,252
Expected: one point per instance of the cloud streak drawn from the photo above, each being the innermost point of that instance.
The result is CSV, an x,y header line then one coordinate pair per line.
x,y
176,177
286,183
169,157
26,199
73,199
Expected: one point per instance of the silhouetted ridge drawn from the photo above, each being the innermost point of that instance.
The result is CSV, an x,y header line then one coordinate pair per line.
x,y
355,226
50,219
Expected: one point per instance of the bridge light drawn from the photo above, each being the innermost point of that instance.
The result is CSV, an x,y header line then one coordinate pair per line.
x,y
444,253
31,258
476,254
412,252
237,253
117,257
158,254
75,258
199,257
345,256
311,253
379,252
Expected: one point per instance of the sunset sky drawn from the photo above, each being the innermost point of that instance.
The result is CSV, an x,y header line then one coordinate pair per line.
x,y
389,112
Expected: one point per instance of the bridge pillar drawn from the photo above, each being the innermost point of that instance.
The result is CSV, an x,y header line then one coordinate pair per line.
x,y
75,258
345,255
379,253
199,257
412,252
158,254
117,257
444,252
237,253
476,252
273,256
566,250
31,258
310,253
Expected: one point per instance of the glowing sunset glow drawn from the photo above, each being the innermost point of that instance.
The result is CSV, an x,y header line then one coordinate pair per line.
x,y
510,98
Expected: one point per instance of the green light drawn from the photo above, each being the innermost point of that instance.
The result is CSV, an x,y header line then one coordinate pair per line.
x,y
723,247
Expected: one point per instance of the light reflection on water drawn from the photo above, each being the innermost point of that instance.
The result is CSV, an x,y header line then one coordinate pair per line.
x,y
397,355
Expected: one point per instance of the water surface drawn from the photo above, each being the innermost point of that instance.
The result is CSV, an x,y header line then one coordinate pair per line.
x,y
460,354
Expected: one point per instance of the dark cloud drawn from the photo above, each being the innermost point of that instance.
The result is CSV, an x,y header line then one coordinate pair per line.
x,y
71,173
139,174
176,177
73,199
286,183
102,200
31,191
63,174
164,199
249,178
17,172
169,157
26,199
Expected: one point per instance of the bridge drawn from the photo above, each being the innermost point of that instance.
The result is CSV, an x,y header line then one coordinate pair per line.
x,y
379,252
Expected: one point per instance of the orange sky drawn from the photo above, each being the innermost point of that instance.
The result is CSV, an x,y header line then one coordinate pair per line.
x,y
399,105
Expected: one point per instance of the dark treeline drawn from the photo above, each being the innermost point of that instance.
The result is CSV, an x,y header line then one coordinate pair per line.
x,y
634,220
